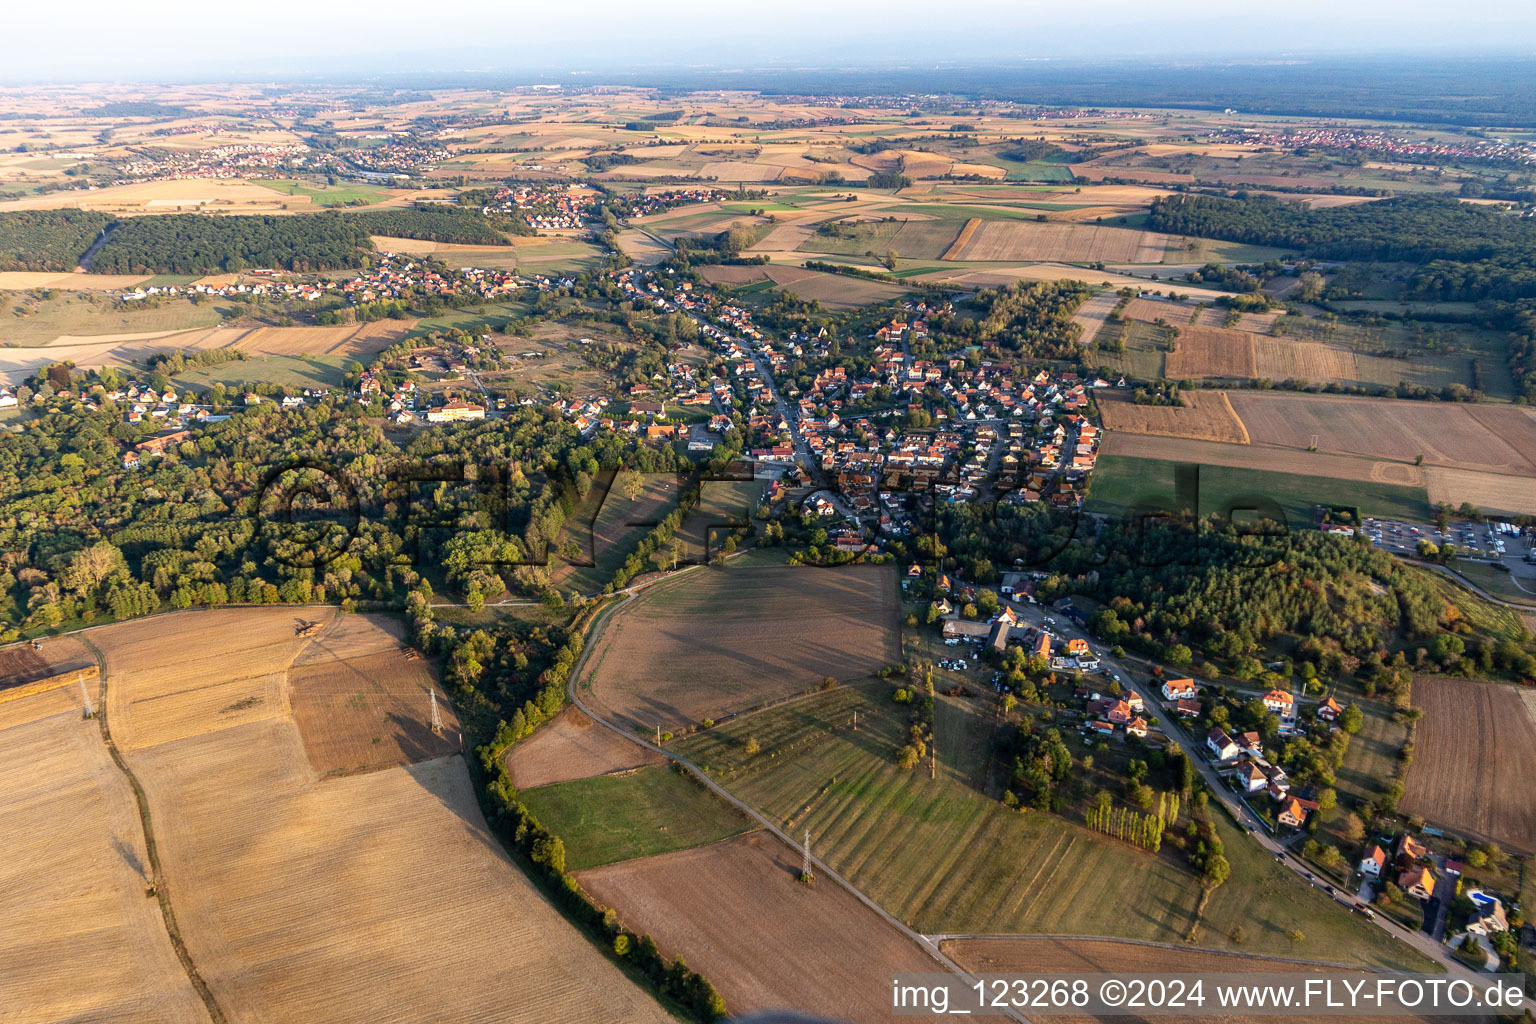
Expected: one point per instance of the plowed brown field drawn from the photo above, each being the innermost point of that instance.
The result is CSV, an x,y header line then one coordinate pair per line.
x,y
1474,763
573,747
738,913
718,640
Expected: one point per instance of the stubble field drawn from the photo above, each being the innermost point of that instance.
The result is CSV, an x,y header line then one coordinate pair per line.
x,y
1499,439
1065,242
1474,760
362,699
359,898
1205,415
1200,352
80,941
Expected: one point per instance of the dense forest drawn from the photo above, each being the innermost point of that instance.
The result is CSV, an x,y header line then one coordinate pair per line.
x,y
191,243
448,224
1464,252
47,239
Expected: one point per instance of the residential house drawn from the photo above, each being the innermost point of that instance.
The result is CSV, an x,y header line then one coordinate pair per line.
x,y
1137,727
1418,880
1373,862
1187,708
1489,917
1177,689
1077,646
1329,710
1292,813
1250,777
1042,648
1221,745
1281,703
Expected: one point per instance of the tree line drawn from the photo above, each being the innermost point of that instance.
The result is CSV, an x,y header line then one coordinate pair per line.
x,y
1463,252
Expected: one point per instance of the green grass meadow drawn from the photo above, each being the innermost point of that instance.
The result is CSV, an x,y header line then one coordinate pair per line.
x,y
610,818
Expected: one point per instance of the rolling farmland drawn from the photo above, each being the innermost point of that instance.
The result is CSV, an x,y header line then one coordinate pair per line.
x,y
910,842
81,941
717,640
301,898
1475,760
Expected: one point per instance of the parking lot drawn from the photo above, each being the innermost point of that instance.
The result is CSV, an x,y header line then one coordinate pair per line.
x,y
1485,542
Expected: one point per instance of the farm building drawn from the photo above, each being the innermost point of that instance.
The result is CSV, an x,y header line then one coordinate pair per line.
x,y
960,628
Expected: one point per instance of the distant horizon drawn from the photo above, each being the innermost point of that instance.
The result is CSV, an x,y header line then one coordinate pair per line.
x,y
171,40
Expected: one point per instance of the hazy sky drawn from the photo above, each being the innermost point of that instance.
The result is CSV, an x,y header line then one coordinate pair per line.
x,y
98,39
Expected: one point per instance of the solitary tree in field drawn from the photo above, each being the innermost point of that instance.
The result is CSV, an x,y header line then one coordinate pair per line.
x,y
633,484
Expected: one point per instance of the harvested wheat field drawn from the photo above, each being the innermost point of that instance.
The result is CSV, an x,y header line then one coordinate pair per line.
x,y
1152,310
1090,316
80,941
1492,492
362,699
226,194
174,676
1498,439
1474,763
375,896
573,747
737,911
1262,457
718,640
371,897
1018,240
1201,352
21,280
1205,415
1289,359
833,291
353,341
